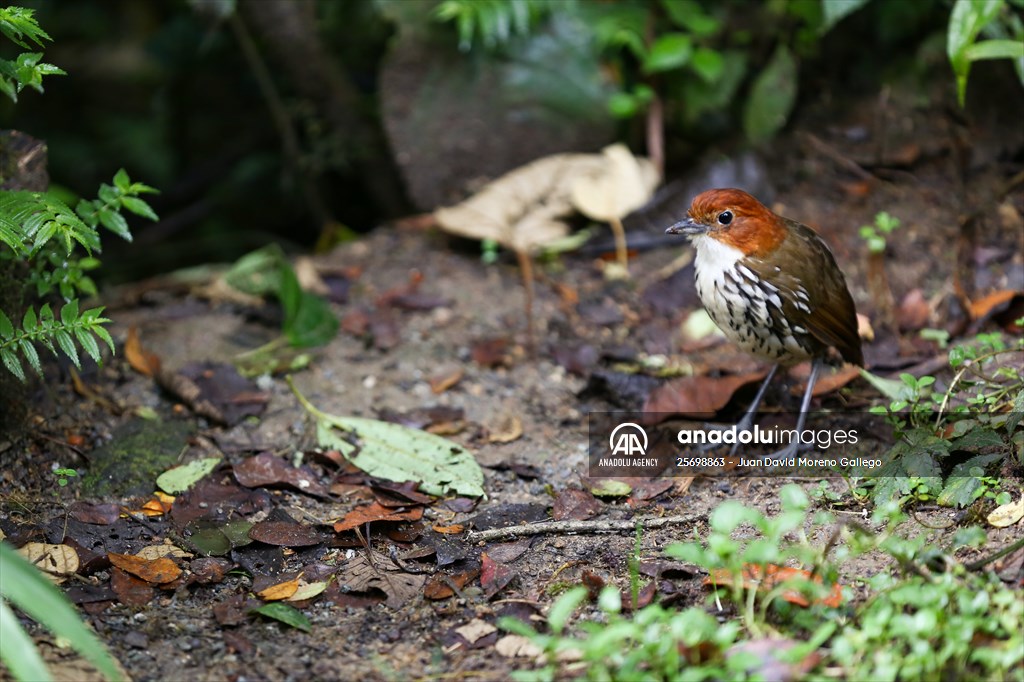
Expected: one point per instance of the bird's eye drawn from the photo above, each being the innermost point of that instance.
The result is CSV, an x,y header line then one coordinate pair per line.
x,y
725,217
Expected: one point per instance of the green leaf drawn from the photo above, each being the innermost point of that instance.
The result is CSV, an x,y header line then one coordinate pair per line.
x,y
399,453
890,388
18,650
69,312
834,11
1012,419
30,591
976,438
771,97
115,222
28,351
313,324
669,51
690,15
11,362
122,181
180,479
561,611
6,328
139,207
286,614
88,343
67,344
995,49
708,64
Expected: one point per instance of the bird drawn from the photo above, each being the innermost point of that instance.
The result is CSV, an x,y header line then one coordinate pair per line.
x,y
772,286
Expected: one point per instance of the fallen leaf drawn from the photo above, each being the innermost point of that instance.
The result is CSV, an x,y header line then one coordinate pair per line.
x,y
575,504
492,352
494,575
475,629
697,396
98,514
398,453
448,530
990,302
516,646
279,591
285,534
360,575
828,382
180,479
55,561
442,382
614,189
774,576
165,549
286,614
307,590
267,469
376,512
1006,514
156,571
508,428
913,311
524,209
130,590
440,584
141,360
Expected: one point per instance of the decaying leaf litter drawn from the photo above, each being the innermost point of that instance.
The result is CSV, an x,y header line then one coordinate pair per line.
x,y
278,558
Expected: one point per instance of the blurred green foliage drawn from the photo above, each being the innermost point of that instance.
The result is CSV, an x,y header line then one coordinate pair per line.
x,y
41,237
164,89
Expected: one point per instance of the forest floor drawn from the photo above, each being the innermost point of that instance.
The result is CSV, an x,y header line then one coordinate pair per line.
x,y
433,337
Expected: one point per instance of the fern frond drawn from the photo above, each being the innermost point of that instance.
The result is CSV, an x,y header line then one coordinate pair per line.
x,y
71,331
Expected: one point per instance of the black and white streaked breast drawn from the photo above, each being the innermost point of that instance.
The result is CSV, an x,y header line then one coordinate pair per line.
x,y
748,308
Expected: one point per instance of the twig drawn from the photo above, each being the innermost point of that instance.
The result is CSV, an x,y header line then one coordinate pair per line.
x,y
606,526
981,563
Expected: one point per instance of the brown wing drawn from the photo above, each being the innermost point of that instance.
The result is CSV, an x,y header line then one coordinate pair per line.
x,y
817,298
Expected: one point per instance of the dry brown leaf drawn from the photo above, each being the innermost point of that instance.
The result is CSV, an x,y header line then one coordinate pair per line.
x,y
442,382
506,430
766,578
617,187
516,646
697,396
308,276
55,561
163,550
1007,514
141,360
376,512
523,209
158,571
279,591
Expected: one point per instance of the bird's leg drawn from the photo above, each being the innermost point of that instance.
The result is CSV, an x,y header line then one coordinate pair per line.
x,y
744,423
796,446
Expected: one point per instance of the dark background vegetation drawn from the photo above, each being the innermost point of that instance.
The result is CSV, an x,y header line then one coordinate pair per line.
x,y
166,90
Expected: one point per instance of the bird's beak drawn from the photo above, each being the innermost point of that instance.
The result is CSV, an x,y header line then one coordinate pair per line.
x,y
689,227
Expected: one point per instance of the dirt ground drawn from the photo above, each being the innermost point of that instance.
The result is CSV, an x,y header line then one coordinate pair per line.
x,y
933,172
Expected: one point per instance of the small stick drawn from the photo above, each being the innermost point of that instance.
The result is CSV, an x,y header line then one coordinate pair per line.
x,y
606,526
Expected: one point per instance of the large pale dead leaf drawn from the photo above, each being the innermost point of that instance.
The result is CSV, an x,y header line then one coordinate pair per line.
x,y
399,453
55,561
523,209
615,189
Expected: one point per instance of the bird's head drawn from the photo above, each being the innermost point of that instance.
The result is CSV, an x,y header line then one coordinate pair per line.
x,y
734,218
